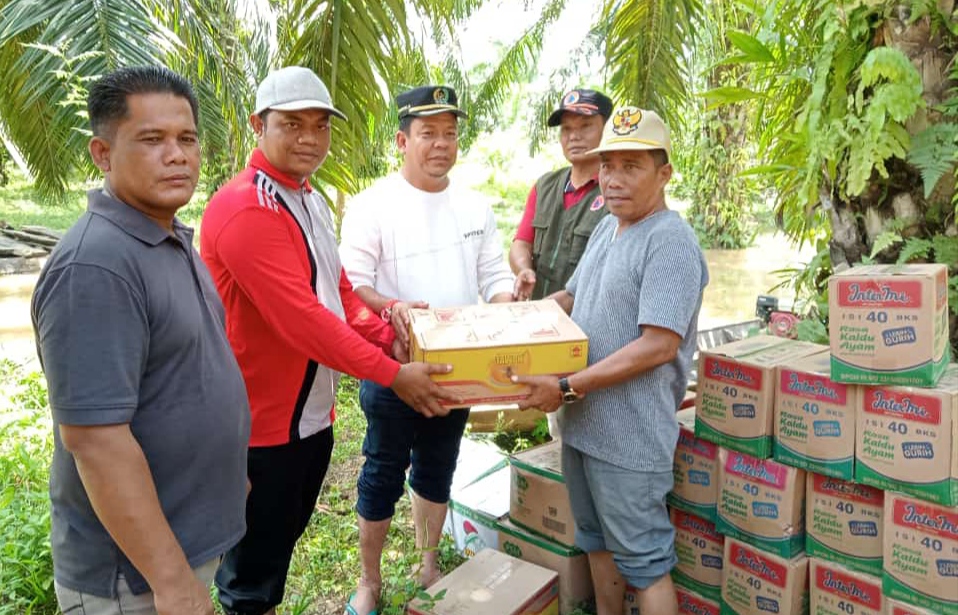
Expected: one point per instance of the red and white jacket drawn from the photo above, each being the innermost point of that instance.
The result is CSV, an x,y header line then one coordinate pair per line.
x,y
291,315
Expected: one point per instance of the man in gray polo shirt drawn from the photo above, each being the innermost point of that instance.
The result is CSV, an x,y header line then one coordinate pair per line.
x,y
148,480
636,293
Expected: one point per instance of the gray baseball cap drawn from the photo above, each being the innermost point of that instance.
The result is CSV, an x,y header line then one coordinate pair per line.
x,y
294,88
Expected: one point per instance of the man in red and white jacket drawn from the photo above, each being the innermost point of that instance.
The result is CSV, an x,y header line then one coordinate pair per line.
x,y
294,324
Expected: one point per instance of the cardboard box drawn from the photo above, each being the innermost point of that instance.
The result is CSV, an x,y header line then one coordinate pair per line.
x,y
844,523
762,502
493,582
475,460
700,550
756,582
690,603
897,607
571,564
476,510
736,390
695,471
814,418
488,343
908,439
836,589
921,553
889,324
540,501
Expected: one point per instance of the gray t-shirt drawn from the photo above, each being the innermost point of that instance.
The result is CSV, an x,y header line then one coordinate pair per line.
x,y
130,330
653,273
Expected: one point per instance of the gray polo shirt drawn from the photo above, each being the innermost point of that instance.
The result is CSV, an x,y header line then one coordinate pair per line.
x,y
130,329
653,273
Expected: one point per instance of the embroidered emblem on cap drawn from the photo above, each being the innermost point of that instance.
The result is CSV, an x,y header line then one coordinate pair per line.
x,y
571,98
441,96
597,203
626,121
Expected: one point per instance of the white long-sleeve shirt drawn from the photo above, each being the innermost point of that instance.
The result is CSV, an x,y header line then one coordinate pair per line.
x,y
439,247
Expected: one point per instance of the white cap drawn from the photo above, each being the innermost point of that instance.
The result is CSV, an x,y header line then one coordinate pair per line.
x,y
631,128
294,88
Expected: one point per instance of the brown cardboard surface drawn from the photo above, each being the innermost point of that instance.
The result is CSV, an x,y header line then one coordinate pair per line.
x,y
814,418
762,502
571,564
493,582
694,471
736,390
897,607
539,498
700,550
908,439
832,585
889,324
844,523
756,582
488,343
921,553
690,603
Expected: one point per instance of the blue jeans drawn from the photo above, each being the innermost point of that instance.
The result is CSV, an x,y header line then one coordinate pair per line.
x,y
398,437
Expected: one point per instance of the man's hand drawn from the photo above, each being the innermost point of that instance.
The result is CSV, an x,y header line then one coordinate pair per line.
x,y
525,283
544,393
400,351
414,386
190,597
400,318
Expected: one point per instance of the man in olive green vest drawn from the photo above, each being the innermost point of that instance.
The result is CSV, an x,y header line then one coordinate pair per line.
x,y
565,205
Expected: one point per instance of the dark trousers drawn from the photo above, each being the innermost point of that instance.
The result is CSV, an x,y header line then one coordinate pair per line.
x,y
398,437
285,480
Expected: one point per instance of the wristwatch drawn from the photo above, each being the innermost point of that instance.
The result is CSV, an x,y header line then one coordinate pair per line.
x,y
568,393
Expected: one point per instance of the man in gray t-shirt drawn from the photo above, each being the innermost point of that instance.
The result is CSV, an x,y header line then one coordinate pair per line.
x,y
636,293
150,416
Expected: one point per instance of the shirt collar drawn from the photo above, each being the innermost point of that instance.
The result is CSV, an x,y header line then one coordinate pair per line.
x,y
259,161
134,222
570,188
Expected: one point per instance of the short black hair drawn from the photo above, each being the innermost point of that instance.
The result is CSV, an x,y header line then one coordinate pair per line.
x,y
659,157
406,123
107,101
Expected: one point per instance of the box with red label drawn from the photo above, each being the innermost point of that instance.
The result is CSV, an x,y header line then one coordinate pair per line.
x,y
699,549
836,589
694,471
897,607
492,582
908,439
759,582
844,523
487,344
889,324
762,502
921,553
736,391
814,418
690,603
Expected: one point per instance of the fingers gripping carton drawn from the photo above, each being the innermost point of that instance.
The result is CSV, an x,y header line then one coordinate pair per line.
x,y
762,502
757,583
889,324
908,439
700,550
814,418
695,471
844,523
836,590
736,388
921,553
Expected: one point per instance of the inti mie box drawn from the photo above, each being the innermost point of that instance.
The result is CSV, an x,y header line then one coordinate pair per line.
x,y
844,523
757,582
888,324
835,589
489,343
694,471
736,389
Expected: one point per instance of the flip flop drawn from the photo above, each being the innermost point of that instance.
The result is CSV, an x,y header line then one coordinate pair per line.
x,y
350,610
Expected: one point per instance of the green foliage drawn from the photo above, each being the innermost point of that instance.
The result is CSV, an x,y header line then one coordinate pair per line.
x,y
885,241
26,446
935,151
915,249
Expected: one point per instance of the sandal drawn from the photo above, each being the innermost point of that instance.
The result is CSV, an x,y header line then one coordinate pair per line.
x,y
351,610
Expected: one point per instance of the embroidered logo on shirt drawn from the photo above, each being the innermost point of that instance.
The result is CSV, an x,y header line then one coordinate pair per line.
x,y
597,203
476,233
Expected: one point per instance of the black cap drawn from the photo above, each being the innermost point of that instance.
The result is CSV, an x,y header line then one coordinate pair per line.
x,y
582,102
429,100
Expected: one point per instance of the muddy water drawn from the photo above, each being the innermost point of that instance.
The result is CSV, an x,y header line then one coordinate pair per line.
x,y
737,277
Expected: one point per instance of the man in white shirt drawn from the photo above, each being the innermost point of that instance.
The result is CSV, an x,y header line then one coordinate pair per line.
x,y
414,240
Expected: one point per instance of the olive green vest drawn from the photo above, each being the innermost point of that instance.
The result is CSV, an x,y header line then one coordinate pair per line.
x,y
561,234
